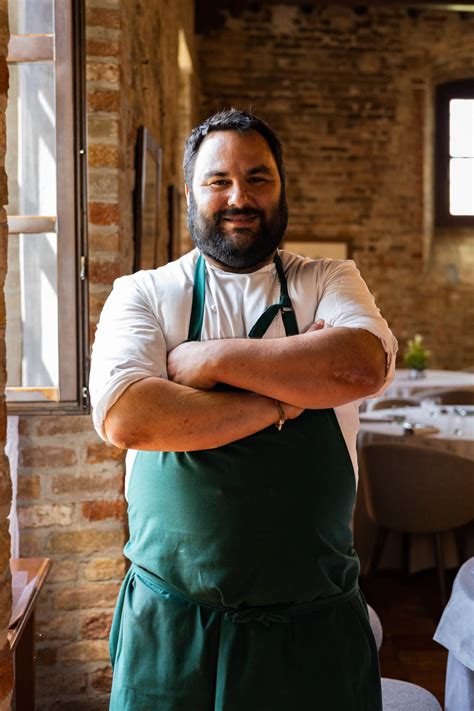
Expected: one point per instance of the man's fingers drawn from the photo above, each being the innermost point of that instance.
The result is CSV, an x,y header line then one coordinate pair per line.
x,y
316,326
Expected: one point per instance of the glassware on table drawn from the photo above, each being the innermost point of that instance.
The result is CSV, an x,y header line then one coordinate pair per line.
x,y
432,405
455,423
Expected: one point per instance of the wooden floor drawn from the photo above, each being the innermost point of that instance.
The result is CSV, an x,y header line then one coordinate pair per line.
x,y
409,608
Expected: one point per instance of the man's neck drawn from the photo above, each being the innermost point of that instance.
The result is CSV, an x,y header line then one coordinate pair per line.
x,y
235,270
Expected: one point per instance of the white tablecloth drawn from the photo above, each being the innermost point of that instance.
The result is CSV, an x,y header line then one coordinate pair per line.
x,y
456,433
376,430
403,386
456,632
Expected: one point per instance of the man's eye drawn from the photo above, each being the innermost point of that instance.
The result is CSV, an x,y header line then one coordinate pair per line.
x,y
219,183
256,180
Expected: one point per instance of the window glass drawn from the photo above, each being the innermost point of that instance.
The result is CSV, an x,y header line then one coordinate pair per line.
x,y
31,17
31,128
32,306
461,128
461,150
461,186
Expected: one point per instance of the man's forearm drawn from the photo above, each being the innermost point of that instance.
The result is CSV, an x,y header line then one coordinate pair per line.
x,y
155,414
313,370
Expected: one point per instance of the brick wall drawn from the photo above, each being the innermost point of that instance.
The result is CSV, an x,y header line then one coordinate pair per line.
x,y
6,668
350,91
71,503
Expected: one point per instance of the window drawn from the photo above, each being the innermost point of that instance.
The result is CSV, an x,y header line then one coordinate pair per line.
x,y
45,289
455,153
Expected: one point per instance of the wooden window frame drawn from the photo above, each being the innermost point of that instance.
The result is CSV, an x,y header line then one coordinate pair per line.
x,y
460,89
67,49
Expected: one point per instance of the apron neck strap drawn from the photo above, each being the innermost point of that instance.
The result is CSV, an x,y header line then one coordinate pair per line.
x,y
259,329
261,326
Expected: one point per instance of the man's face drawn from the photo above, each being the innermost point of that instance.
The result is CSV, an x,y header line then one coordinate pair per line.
x,y
237,212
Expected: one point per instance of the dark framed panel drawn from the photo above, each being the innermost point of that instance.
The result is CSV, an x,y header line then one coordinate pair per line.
x,y
174,222
146,200
462,89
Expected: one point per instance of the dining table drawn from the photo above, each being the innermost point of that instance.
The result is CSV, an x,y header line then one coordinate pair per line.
x,y
444,428
405,385
449,428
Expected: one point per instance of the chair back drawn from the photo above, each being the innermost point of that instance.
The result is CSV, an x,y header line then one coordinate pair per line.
x,y
415,489
405,696
450,397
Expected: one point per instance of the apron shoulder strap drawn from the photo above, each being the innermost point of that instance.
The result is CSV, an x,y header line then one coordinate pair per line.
x,y
199,295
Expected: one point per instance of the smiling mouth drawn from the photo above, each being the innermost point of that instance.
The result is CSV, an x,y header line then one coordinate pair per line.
x,y
240,220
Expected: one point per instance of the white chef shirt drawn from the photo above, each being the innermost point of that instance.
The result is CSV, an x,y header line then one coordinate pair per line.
x,y
147,314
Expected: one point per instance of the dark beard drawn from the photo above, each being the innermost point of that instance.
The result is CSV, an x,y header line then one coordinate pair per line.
x,y
214,243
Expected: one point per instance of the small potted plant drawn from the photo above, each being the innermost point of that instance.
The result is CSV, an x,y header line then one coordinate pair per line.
x,y
416,357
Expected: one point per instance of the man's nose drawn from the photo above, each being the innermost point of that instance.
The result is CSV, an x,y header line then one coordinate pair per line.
x,y
239,196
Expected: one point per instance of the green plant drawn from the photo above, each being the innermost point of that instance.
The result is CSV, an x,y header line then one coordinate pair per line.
x,y
416,356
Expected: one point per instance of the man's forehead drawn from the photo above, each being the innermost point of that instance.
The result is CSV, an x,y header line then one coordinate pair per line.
x,y
220,149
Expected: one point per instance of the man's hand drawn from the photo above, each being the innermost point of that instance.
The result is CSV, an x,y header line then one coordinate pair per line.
x,y
189,364
316,326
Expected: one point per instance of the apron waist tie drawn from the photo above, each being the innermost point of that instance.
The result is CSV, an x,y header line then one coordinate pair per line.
x,y
265,614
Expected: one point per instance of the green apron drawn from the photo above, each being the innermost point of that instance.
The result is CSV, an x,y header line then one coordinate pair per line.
x,y
242,594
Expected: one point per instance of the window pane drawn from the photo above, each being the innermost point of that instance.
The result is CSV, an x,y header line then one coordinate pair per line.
x,y
31,126
461,128
461,186
32,307
31,17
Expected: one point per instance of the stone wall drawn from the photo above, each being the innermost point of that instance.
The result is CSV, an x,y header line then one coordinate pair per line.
x,y
6,668
71,504
350,91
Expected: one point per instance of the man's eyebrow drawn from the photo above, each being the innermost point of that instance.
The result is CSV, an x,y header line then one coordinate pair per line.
x,y
214,174
253,171
260,169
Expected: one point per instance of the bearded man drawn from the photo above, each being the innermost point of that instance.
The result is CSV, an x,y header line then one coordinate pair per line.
x,y
233,377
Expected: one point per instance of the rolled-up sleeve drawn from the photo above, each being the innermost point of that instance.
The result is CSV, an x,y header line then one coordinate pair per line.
x,y
347,301
129,346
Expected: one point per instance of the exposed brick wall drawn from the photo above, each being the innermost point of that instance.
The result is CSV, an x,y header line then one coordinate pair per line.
x,y
71,504
6,667
351,94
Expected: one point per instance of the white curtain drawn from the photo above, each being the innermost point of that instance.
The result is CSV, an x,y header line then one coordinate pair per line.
x,y
11,450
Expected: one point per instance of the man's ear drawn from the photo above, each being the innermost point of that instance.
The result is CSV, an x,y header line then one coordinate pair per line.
x,y
186,192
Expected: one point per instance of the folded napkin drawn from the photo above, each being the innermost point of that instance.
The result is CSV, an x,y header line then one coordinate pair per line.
x,y
455,630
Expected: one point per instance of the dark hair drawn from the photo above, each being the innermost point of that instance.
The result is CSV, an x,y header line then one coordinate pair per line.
x,y
230,120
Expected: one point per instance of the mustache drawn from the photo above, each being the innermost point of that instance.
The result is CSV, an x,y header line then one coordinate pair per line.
x,y
235,211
